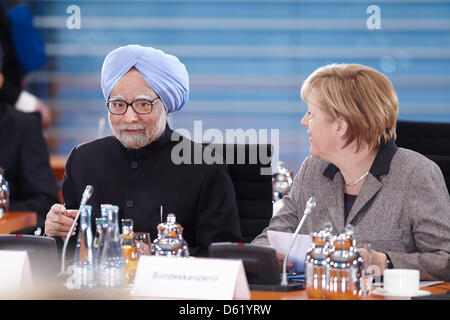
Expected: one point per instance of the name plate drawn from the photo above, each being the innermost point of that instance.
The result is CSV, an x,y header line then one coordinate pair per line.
x,y
191,278
15,271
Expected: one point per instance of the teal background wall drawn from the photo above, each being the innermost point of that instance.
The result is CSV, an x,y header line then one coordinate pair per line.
x,y
246,59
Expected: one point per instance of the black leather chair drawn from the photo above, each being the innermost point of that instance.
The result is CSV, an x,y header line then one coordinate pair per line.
x,y
430,139
253,189
42,252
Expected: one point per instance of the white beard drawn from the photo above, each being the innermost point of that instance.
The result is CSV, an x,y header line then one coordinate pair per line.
x,y
141,139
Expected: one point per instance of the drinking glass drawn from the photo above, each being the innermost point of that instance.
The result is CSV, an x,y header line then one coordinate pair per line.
x,y
369,273
143,243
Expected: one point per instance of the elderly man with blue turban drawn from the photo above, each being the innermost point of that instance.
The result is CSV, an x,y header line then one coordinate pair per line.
x,y
134,170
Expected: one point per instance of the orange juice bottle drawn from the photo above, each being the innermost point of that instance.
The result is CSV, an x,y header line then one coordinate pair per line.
x,y
316,263
131,261
344,268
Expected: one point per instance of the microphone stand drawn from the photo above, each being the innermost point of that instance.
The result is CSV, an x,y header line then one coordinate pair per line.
x,y
309,206
85,197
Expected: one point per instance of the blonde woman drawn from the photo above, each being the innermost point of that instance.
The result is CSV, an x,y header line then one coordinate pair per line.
x,y
395,198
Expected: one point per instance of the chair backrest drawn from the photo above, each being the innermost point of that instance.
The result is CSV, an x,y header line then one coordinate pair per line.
x,y
253,189
42,252
430,139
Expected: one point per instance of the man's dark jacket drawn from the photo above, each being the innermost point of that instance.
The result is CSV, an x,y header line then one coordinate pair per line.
x,y
25,158
201,196
12,86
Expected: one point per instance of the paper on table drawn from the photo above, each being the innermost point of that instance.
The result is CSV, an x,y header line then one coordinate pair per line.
x,y
281,241
428,283
421,285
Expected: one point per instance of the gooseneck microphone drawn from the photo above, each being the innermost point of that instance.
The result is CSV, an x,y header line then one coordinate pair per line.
x,y
84,198
309,206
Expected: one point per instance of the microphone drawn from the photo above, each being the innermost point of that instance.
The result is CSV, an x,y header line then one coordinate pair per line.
x,y
309,206
84,198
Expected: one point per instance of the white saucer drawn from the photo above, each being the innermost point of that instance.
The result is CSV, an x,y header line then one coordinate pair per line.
x,y
382,292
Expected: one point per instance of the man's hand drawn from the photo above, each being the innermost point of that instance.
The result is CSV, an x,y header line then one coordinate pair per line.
x,y
59,220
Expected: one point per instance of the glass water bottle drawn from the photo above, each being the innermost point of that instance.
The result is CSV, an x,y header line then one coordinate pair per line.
x,y
4,194
112,265
100,235
83,267
129,251
99,239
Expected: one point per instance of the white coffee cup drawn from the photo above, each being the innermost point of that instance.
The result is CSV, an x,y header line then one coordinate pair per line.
x,y
401,281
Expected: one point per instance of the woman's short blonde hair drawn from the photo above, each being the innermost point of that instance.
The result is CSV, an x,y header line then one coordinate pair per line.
x,y
362,96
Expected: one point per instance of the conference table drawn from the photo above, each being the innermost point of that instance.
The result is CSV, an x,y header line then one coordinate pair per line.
x,y
436,289
14,221
54,289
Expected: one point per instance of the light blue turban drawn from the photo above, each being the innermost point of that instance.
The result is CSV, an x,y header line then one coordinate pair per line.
x,y
163,72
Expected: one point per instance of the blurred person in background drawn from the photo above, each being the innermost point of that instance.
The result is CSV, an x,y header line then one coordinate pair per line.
x,y
134,169
25,158
396,199
12,91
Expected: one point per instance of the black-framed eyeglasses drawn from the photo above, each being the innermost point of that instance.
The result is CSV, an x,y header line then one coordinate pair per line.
x,y
140,106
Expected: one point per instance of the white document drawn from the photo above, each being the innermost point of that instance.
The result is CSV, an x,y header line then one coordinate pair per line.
x,y
428,283
191,278
15,271
422,284
281,241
